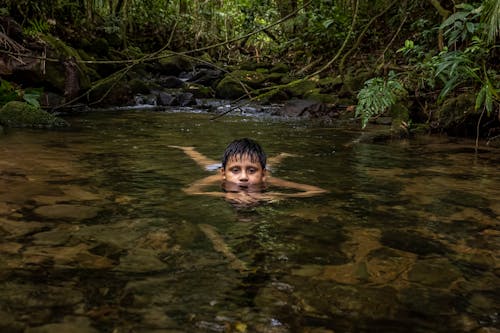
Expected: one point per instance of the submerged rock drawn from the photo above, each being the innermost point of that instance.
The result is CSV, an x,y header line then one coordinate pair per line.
x,y
412,242
67,212
20,114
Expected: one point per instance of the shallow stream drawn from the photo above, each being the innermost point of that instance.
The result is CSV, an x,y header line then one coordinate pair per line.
x,y
98,236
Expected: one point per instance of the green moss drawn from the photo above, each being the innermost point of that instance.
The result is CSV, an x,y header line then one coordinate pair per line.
x,y
455,110
316,95
138,86
55,70
280,68
20,114
173,64
301,89
229,88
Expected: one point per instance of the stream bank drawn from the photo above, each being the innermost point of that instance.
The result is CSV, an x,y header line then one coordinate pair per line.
x,y
72,76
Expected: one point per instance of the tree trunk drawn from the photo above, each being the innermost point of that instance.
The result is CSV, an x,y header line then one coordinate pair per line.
x,y
444,14
286,7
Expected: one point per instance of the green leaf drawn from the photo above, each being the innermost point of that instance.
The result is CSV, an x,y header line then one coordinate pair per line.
x,y
480,98
328,23
488,101
32,98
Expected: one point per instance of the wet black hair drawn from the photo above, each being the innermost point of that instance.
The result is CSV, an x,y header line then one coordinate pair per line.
x,y
245,146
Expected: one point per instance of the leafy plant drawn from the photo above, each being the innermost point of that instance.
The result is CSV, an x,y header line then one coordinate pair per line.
x,y
477,27
377,96
37,26
7,92
32,96
10,93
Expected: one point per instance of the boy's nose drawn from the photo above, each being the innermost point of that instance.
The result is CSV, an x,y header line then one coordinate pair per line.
x,y
243,176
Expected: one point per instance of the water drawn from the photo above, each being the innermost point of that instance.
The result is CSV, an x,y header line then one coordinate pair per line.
x,y
97,235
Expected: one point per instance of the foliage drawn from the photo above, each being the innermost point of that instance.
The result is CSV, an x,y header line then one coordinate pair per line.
x,y
475,29
10,93
37,26
377,96
467,63
7,92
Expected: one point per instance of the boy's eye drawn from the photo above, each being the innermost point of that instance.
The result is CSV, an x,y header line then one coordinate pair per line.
x,y
252,170
234,170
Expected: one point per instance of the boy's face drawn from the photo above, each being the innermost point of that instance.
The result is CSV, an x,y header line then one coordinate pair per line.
x,y
244,172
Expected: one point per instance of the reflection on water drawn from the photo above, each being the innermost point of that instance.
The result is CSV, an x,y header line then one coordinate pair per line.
x,y
98,237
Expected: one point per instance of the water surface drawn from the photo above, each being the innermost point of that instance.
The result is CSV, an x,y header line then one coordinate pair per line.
x,y
97,235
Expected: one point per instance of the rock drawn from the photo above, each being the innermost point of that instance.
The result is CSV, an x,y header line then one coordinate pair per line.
x,y
49,99
232,85
138,86
78,325
166,99
112,94
140,260
172,64
412,242
306,108
280,68
301,88
18,229
8,322
20,114
206,76
67,212
55,71
492,142
436,273
171,82
186,99
199,91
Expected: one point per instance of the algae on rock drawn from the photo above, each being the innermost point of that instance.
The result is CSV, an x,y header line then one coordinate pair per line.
x,y
20,114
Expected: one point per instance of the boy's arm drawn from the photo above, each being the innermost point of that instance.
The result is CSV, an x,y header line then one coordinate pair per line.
x,y
199,158
198,187
306,190
275,160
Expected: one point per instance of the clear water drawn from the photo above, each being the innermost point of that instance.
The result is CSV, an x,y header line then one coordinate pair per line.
x,y
97,235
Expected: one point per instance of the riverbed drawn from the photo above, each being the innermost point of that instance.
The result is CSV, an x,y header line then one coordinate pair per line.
x,y
98,235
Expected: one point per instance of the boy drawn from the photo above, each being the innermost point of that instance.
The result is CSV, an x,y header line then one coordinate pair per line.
x,y
244,175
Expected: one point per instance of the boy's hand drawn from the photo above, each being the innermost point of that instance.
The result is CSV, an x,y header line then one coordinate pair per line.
x,y
242,198
182,147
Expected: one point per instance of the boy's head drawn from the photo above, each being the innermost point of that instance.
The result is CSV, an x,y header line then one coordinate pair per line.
x,y
244,163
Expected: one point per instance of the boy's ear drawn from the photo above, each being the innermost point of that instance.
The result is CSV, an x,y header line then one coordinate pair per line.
x,y
222,173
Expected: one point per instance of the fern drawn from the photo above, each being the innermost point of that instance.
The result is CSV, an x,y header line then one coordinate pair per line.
x,y
377,96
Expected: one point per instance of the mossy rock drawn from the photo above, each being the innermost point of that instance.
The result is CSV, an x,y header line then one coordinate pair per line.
x,y
316,95
173,64
112,93
253,66
301,88
231,85
229,88
275,77
330,83
353,82
20,114
253,79
138,86
55,71
199,91
100,47
280,68
454,110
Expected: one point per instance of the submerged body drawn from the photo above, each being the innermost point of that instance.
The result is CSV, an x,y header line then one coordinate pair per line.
x,y
244,176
